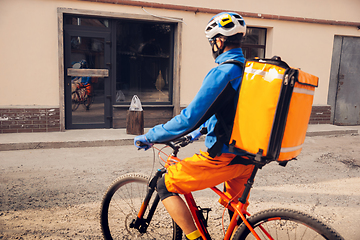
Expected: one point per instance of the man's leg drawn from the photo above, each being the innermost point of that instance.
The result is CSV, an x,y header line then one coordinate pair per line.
x,y
191,174
176,207
180,213
178,210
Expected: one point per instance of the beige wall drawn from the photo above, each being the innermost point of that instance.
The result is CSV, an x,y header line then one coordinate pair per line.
x,y
344,10
306,46
29,64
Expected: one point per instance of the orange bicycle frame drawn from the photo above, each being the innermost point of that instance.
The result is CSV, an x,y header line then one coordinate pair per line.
x,y
239,207
141,222
239,211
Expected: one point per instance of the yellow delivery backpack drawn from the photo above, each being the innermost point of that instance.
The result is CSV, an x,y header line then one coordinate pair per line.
x,y
273,110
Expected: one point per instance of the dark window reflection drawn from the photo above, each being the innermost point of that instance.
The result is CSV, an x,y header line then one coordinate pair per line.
x,y
143,62
255,36
254,42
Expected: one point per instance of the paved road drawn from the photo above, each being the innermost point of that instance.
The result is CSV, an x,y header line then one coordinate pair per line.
x,y
56,193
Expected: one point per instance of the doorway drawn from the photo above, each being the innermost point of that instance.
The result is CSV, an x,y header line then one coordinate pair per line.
x,y
344,89
87,78
124,56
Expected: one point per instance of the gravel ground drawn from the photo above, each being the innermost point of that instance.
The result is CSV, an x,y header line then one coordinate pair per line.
x,y
56,193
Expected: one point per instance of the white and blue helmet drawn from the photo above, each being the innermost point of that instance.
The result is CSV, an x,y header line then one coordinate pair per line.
x,y
226,24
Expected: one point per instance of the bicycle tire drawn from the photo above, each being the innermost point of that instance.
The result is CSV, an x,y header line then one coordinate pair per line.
x,y
121,204
286,224
75,100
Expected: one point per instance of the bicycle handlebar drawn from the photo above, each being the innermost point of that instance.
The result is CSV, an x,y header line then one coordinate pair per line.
x,y
185,140
177,143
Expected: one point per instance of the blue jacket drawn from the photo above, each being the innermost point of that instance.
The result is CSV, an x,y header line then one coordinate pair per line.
x,y
206,103
85,80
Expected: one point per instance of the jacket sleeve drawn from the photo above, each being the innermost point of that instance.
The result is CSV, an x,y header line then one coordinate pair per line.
x,y
197,111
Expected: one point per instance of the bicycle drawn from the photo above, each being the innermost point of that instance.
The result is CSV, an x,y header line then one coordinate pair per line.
x,y
80,96
130,210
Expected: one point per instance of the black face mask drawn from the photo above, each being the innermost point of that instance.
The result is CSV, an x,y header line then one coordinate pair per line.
x,y
219,51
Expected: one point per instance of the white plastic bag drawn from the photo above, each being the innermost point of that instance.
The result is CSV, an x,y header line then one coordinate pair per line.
x,y
120,96
135,104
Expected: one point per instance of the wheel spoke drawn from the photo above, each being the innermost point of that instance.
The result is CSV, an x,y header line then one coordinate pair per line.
x,y
123,201
286,224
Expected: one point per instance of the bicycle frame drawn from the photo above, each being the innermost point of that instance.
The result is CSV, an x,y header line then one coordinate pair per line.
x,y
239,210
141,222
122,199
82,92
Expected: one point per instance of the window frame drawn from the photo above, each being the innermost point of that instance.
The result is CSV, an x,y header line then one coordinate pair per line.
x,y
249,47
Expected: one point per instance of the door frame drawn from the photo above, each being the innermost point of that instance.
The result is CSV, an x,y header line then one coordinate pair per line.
x,y
95,33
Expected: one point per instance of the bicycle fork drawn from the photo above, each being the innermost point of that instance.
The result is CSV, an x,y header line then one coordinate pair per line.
x,y
141,223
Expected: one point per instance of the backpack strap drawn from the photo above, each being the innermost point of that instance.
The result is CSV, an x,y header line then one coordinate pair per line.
x,y
233,61
223,135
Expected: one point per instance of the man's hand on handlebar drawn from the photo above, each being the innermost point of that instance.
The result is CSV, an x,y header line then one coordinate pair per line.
x,y
195,135
142,143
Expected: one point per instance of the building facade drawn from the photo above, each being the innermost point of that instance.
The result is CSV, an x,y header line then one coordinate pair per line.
x,y
157,50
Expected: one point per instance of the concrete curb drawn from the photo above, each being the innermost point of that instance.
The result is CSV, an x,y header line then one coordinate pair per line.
x,y
68,144
120,138
333,132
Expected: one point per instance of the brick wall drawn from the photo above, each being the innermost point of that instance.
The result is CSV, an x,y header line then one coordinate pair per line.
x,y
19,120
320,115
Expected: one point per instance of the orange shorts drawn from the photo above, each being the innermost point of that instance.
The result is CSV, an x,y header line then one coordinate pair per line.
x,y
88,88
201,171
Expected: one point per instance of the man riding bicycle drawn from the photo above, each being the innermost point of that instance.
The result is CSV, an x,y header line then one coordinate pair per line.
x,y
213,108
86,81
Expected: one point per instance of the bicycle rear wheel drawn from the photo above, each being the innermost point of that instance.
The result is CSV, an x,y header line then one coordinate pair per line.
x,y
88,100
286,224
121,205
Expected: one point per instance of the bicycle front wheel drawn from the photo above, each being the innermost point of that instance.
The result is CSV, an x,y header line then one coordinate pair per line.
x,y
286,224
75,100
122,203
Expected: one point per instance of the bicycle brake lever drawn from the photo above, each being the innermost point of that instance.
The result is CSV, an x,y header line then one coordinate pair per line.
x,y
186,141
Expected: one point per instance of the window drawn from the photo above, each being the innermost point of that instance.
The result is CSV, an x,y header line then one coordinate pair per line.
x,y
139,56
144,62
254,42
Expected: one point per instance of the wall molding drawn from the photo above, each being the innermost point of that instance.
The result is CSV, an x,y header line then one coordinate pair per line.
x,y
215,11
